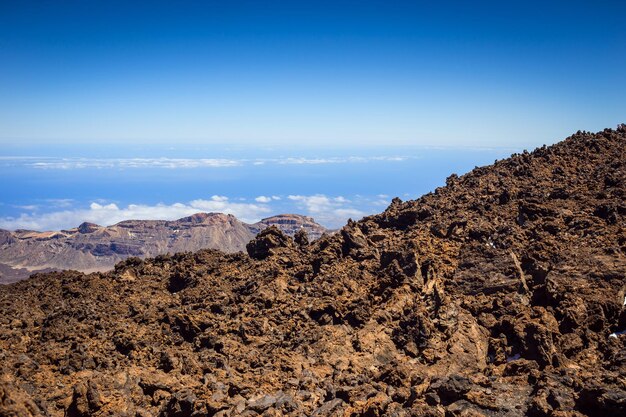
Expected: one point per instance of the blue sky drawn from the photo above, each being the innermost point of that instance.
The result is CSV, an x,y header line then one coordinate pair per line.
x,y
324,73
113,110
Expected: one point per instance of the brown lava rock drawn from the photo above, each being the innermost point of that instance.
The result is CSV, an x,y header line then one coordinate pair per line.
x,y
501,294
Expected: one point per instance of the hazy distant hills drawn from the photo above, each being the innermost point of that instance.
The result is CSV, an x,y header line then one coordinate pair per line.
x,y
90,247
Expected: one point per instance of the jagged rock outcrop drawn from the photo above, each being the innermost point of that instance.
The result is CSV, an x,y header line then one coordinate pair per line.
x,y
501,294
268,242
91,247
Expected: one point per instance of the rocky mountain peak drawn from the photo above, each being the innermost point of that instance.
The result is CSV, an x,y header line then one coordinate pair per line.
x,y
206,217
87,228
291,224
6,237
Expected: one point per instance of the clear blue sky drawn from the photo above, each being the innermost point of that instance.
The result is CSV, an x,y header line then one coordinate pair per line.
x,y
504,73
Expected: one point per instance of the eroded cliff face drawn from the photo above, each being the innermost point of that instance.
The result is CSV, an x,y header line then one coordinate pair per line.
x,y
499,294
90,247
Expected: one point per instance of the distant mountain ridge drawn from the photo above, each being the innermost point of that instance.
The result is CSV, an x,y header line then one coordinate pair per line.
x,y
90,247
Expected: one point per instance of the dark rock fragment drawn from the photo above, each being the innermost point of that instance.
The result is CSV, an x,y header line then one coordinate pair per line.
x,y
267,242
450,389
301,238
598,401
329,408
181,404
86,399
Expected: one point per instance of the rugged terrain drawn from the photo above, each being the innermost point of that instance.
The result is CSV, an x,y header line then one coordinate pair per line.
x,y
90,248
500,294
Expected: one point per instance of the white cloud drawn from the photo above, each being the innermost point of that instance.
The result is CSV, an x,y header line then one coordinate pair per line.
x,y
330,211
338,160
181,163
382,202
108,214
348,213
30,207
311,161
60,202
266,199
169,163
219,198
46,204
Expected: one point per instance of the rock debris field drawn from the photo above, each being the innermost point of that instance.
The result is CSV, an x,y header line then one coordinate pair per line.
x,y
500,294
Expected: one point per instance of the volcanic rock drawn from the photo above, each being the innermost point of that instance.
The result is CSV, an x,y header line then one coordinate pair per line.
x,y
488,297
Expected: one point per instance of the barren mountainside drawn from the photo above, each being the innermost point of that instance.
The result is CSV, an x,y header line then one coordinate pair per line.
x,y
90,247
500,294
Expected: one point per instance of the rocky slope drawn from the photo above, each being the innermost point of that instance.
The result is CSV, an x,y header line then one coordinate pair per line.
x,y
90,247
501,294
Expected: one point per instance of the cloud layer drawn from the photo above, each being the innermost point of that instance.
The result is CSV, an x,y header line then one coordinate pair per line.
x,y
108,214
180,163
266,199
330,211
